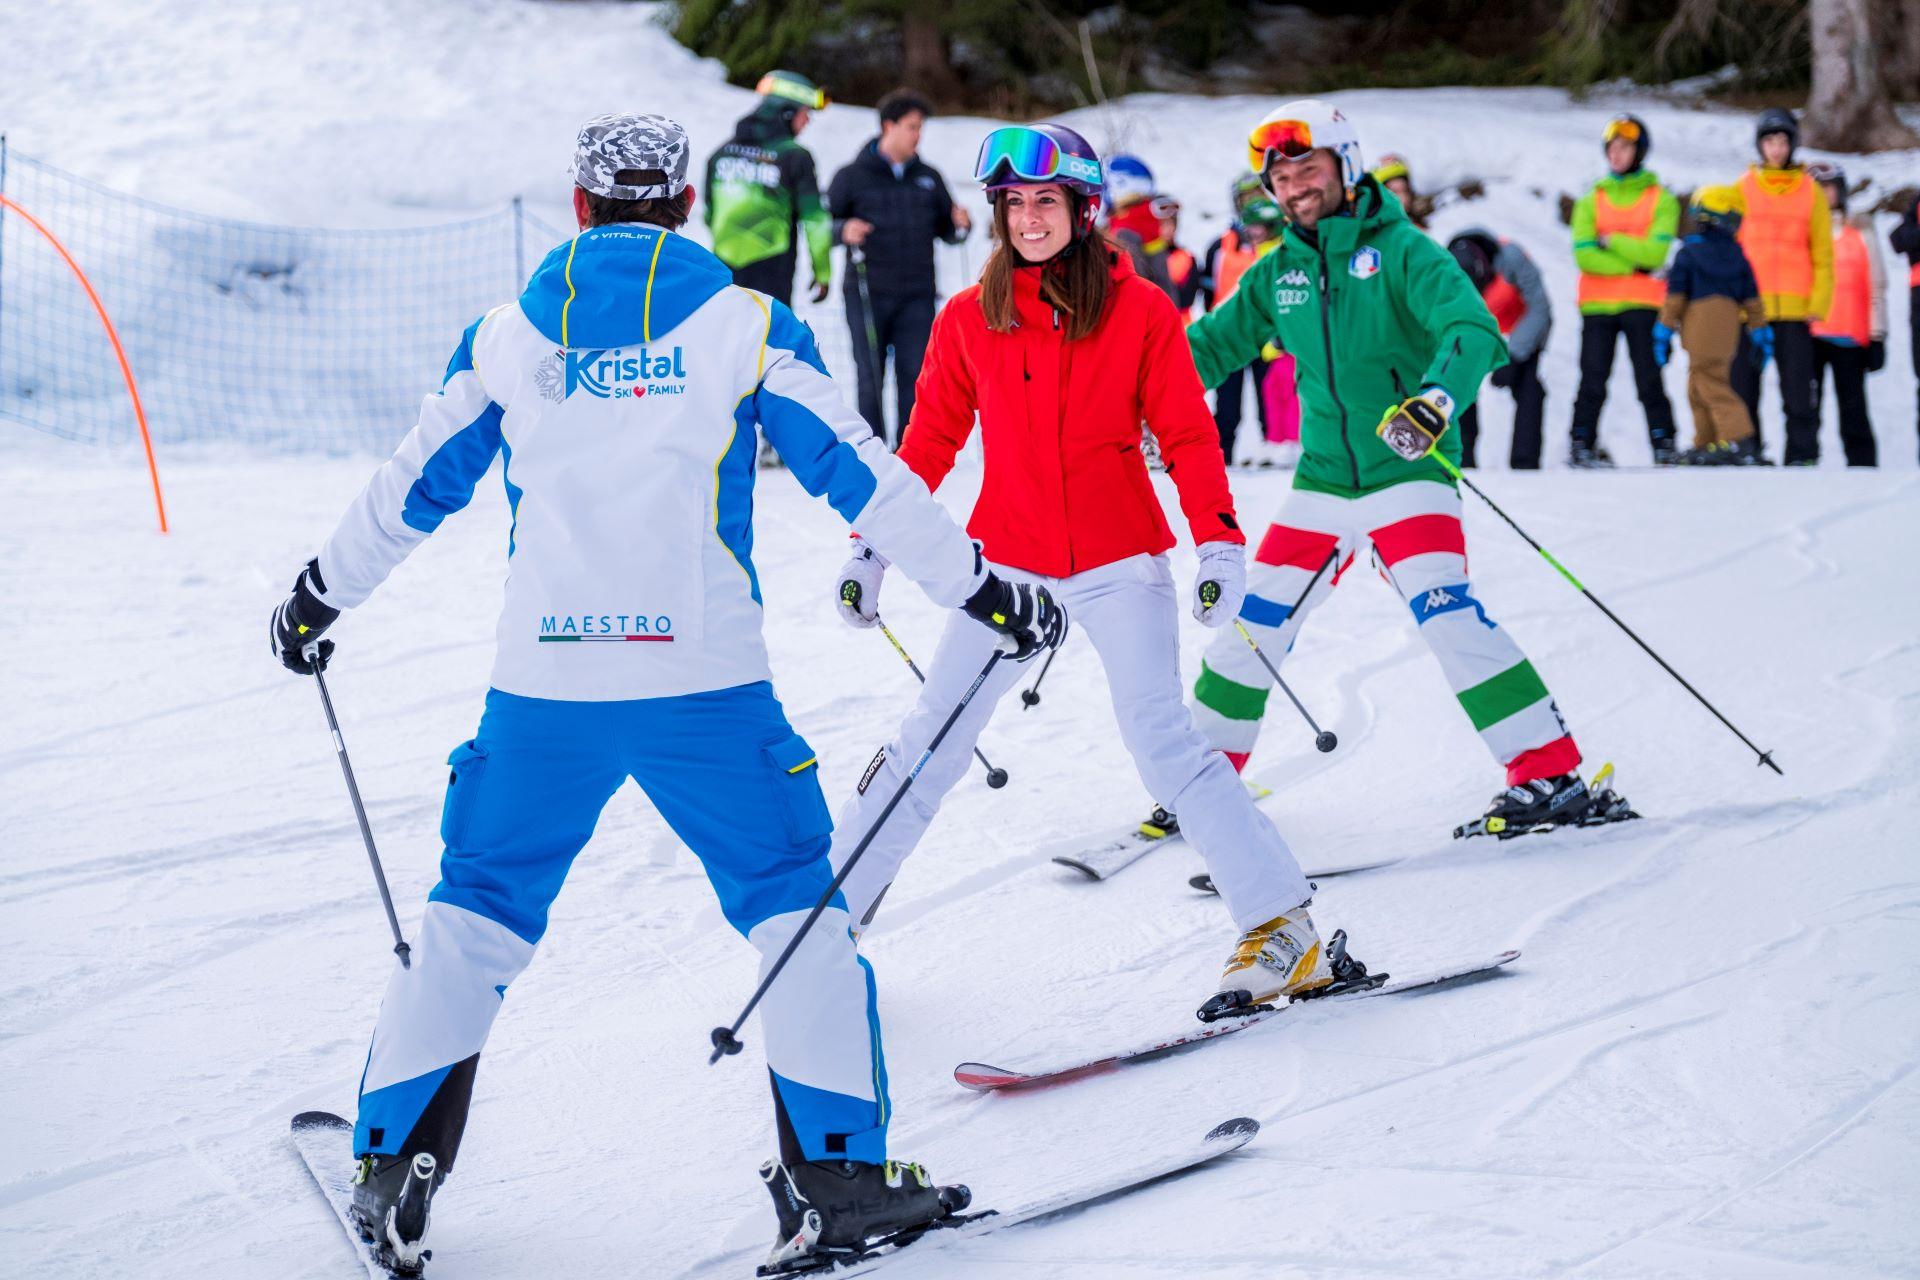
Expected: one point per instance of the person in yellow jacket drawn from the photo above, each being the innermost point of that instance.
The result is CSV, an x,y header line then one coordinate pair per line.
x,y
1851,342
1788,237
1622,229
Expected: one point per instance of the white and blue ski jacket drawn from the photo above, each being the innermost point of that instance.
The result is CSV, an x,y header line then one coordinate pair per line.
x,y
623,392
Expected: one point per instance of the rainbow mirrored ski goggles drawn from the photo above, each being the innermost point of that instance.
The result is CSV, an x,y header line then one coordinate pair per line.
x,y
1027,155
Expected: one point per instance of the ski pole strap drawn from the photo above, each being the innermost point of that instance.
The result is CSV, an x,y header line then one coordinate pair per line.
x,y
1545,554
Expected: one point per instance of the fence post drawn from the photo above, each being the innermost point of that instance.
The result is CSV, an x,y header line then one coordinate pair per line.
x,y
519,246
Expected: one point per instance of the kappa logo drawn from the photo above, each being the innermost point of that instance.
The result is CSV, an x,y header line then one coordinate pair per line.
x,y
1365,263
1440,598
1292,289
611,375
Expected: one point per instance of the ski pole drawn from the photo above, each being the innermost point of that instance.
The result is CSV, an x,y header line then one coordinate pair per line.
x,y
726,1039
1030,696
996,778
1323,739
1765,757
875,365
400,947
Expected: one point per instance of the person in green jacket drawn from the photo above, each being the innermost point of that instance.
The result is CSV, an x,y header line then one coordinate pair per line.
x,y
1388,337
763,192
1622,229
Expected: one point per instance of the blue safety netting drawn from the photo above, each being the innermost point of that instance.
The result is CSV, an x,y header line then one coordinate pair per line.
x,y
289,337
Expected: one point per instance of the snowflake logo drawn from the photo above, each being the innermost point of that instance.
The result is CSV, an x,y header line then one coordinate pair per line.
x,y
546,378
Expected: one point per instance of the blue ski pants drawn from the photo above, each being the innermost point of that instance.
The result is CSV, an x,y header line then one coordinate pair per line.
x,y
741,789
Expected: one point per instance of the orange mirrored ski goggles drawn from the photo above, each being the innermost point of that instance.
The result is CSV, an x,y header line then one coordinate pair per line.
x,y
1291,138
1627,129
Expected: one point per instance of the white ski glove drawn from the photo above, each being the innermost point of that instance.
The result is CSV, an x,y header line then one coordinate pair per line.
x,y
857,595
1221,583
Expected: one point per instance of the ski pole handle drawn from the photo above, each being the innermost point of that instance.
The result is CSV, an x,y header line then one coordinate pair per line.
x,y
400,947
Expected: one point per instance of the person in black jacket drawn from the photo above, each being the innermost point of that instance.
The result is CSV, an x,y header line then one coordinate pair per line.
x,y
1905,238
888,207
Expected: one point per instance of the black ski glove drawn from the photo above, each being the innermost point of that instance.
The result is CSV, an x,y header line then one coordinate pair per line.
x,y
1021,611
299,622
1876,355
1502,377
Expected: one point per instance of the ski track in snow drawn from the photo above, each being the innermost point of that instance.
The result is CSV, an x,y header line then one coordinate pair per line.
x,y
1701,1064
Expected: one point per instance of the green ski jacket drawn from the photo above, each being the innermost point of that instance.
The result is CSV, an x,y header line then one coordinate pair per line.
x,y
1371,310
760,186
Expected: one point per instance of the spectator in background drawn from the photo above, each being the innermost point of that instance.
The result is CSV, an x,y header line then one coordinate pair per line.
x,y
1787,234
888,208
1131,222
1393,174
1622,229
1183,273
1255,230
1905,238
763,195
1851,342
1710,289
1510,285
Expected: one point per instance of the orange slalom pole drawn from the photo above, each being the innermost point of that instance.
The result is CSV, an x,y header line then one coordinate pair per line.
x,y
120,353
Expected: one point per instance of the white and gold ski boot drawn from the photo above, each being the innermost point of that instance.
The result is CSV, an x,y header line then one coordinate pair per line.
x,y
1278,961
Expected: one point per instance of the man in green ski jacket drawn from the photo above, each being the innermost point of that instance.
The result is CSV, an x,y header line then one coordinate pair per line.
x,y
1623,228
1385,330
763,192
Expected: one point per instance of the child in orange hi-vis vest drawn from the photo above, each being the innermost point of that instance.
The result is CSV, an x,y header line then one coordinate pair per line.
x,y
1786,233
1851,341
1710,291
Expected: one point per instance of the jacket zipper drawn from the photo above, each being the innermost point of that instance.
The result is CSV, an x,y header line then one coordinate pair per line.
x,y
1060,432
1326,336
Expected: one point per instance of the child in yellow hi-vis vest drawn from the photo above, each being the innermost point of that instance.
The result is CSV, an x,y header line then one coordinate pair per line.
x,y
1710,290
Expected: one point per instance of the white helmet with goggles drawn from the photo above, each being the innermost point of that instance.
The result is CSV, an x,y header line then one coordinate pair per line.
x,y
1297,130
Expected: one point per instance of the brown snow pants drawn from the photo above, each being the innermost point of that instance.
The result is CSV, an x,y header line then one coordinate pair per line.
x,y
1710,331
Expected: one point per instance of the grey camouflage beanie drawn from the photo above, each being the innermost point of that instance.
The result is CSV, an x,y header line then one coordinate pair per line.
x,y
623,140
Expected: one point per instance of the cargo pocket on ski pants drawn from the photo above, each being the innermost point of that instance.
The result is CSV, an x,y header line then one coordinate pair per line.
x,y
467,766
797,780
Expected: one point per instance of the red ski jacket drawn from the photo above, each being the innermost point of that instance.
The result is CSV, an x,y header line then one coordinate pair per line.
x,y
1065,488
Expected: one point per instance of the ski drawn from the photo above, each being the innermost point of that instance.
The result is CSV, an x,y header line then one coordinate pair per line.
x,y
1100,861
983,1078
1204,882
1224,1138
1604,807
325,1144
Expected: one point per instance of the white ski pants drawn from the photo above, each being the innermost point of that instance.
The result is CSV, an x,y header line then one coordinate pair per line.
x,y
1130,611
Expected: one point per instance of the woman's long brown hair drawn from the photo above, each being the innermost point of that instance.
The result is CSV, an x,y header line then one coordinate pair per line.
x,y
1076,282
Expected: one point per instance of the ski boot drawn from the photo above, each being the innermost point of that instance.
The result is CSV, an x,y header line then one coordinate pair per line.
x,y
836,1211
391,1198
1590,457
1531,806
1665,454
1160,824
1280,960
1606,805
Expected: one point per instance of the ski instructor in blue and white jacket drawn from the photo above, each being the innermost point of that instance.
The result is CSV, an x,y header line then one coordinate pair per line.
x,y
623,391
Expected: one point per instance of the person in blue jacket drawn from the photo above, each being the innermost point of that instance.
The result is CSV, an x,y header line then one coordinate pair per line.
x,y
624,393
1710,291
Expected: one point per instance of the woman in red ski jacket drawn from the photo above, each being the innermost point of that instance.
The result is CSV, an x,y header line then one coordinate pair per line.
x,y
1062,352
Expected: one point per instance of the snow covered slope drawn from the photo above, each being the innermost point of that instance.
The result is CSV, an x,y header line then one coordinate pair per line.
x,y
1703,1064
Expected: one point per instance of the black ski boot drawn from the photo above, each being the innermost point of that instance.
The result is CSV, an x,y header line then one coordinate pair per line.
x,y
1665,453
1590,458
391,1197
1532,806
835,1211
1160,824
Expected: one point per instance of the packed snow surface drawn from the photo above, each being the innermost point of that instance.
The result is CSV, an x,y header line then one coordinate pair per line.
x,y
1703,1064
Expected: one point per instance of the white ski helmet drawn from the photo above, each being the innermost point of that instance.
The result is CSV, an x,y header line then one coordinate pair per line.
x,y
1297,129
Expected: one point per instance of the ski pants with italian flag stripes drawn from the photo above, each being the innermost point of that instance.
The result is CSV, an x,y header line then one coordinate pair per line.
x,y
1414,531
1129,610
741,789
